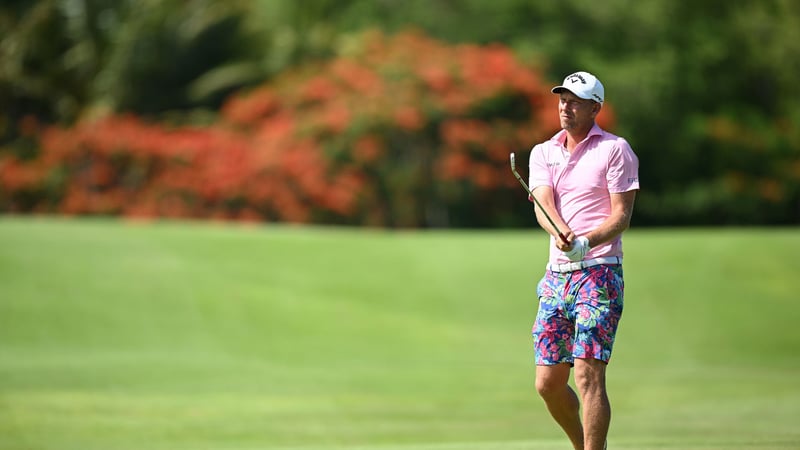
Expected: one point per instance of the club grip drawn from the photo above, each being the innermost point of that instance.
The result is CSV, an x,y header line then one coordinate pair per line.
x,y
563,238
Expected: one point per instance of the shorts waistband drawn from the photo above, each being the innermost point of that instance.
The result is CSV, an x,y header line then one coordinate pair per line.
x,y
580,265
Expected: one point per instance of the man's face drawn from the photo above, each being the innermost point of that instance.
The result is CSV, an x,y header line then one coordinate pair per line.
x,y
576,113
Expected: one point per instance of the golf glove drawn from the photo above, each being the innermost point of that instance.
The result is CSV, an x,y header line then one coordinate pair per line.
x,y
580,247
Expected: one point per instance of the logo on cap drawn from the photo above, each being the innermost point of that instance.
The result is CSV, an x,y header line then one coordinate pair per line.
x,y
575,77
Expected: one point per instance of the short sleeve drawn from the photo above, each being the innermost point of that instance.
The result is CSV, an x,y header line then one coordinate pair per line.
x,y
538,172
623,170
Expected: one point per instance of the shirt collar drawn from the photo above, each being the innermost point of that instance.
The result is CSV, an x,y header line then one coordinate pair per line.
x,y
561,136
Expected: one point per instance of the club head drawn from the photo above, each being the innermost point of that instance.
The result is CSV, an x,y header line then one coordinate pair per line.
x,y
513,165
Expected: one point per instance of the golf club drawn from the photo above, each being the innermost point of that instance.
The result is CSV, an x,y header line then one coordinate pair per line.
x,y
514,169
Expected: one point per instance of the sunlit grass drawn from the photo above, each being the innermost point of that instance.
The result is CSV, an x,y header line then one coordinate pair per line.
x,y
195,336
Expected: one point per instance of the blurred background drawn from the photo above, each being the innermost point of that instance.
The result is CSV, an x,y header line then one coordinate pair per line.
x,y
389,113
383,115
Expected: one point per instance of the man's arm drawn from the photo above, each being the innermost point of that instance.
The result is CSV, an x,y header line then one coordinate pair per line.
x,y
544,194
617,222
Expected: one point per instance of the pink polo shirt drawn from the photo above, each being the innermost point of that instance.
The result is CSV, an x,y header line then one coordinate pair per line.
x,y
602,164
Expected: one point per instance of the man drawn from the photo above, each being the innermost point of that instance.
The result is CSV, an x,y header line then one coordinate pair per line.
x,y
586,179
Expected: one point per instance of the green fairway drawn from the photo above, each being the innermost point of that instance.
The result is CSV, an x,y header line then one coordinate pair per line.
x,y
116,335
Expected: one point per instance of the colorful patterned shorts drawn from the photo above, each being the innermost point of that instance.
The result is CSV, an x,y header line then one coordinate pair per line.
x,y
578,314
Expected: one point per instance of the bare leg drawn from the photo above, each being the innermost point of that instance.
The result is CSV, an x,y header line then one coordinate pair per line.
x,y
590,377
561,401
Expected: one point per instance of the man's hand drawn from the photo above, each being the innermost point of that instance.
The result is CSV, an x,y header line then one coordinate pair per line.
x,y
580,247
564,246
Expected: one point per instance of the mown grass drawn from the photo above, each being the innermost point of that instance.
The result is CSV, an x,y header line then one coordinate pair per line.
x,y
116,335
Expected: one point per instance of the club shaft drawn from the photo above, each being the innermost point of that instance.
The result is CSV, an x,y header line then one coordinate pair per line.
x,y
547,216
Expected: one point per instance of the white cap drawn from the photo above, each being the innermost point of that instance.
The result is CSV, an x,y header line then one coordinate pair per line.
x,y
584,85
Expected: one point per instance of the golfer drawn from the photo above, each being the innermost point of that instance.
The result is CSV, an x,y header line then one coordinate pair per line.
x,y
586,179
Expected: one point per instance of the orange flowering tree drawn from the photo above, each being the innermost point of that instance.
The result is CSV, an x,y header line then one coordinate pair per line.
x,y
399,131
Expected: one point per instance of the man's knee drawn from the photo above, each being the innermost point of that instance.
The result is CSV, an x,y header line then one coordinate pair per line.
x,y
551,380
546,387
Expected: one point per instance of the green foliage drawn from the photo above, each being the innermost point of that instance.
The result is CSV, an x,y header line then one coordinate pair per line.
x,y
674,70
33,76
63,59
178,55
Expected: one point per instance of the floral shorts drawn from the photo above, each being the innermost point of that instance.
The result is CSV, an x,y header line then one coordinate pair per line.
x,y
578,314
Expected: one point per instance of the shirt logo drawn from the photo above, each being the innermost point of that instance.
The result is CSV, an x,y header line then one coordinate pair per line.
x,y
633,179
554,164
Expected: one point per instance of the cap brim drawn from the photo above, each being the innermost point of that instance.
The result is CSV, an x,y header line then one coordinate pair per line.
x,y
560,89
